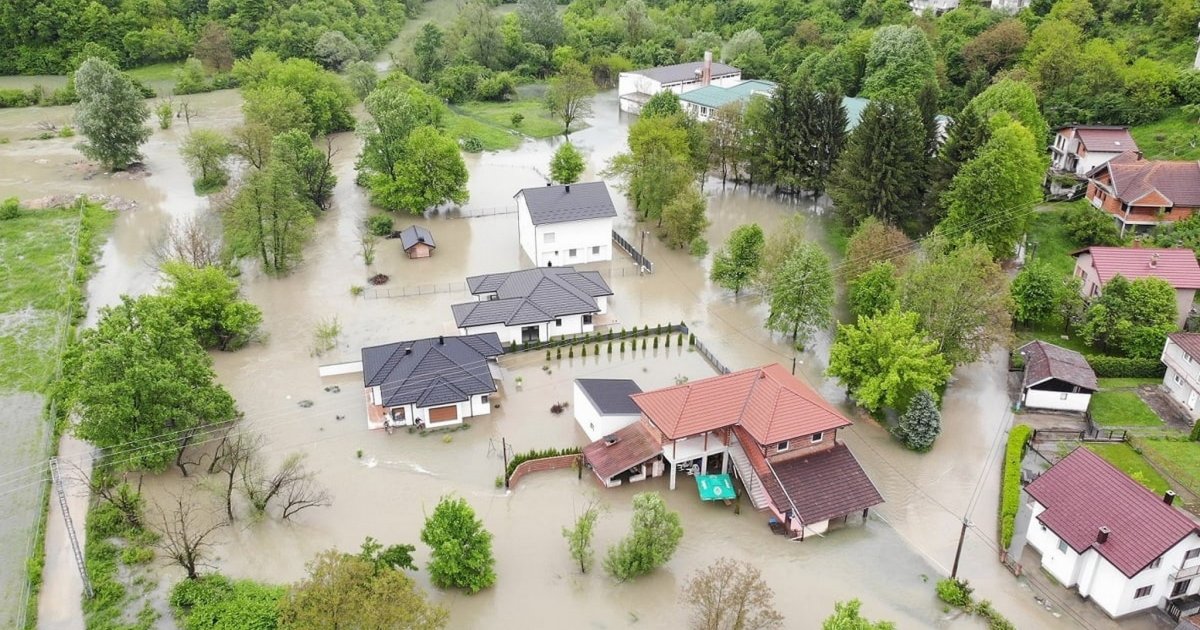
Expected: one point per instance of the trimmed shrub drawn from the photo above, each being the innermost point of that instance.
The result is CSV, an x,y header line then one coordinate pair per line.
x,y
596,351
622,346
1010,482
1126,367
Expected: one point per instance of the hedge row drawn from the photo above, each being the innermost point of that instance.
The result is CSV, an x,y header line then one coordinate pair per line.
x,y
593,337
521,458
1125,367
1010,481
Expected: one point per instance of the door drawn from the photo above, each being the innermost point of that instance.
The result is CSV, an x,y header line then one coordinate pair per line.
x,y
1180,588
531,334
442,414
1192,395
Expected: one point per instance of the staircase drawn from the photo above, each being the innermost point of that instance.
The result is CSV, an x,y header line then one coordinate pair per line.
x,y
745,472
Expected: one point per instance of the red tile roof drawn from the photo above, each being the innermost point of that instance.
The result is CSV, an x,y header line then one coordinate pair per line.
x,y
1106,139
1134,178
1177,266
1188,342
1082,493
768,401
1045,361
634,446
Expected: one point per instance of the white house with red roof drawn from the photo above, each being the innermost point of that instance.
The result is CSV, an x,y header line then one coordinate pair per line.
x,y
1112,540
1080,148
1181,355
1095,266
779,434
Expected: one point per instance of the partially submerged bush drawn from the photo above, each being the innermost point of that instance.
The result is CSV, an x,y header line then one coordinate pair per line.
x,y
380,224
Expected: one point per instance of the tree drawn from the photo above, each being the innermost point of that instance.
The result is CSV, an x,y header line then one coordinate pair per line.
x,y
827,139
204,151
657,166
269,219
309,167
653,538
1035,293
684,219
778,249
1088,225
567,164
899,63
362,77
428,53
993,195
277,109
292,486
348,591
662,105
920,424
334,50
579,537
846,616
874,290
739,260
139,376
997,48
307,93
477,31
1133,318
728,136
540,22
881,170
1014,98
961,297
396,110
252,142
186,539
875,241
213,601
209,304
731,595
884,360
569,96
430,173
188,241
235,454
111,115
394,557
460,548
965,135
802,294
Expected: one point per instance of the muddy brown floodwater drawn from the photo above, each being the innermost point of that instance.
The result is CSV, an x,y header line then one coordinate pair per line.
x,y
889,562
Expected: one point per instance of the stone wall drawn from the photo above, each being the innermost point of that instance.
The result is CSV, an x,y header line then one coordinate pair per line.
x,y
538,465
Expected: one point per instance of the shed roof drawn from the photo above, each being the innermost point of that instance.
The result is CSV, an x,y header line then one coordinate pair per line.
x,y
570,202
634,445
716,96
531,296
683,72
1175,265
1082,493
433,371
414,234
610,395
1044,361
1188,342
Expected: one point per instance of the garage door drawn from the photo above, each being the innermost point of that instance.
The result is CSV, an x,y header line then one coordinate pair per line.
x,y
442,414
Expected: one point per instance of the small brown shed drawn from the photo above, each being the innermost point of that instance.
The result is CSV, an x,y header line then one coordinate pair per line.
x,y
417,242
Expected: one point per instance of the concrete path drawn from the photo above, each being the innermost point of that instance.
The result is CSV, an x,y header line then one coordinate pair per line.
x,y
62,588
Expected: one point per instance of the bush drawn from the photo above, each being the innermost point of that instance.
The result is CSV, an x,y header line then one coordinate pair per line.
x,y
10,209
380,224
517,119
521,458
698,247
1087,225
16,98
995,620
1126,367
135,554
471,144
1010,483
214,601
496,87
954,592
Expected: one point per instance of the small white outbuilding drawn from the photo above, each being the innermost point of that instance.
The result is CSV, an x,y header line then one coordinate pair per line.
x,y
603,406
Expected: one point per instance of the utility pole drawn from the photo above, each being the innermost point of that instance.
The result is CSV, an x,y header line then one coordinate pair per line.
x,y
958,552
793,366
642,254
66,512
504,452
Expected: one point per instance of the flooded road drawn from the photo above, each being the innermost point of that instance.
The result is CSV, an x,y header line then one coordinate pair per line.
x,y
398,479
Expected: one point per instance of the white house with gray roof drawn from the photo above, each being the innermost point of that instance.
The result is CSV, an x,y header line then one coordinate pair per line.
x,y
603,405
565,225
533,305
433,382
636,87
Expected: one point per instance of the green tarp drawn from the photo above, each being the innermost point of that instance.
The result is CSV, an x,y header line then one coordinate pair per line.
x,y
715,487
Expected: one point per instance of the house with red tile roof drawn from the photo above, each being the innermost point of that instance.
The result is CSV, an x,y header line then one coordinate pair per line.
x,y
1106,536
779,435
1181,355
1141,193
1096,266
1080,148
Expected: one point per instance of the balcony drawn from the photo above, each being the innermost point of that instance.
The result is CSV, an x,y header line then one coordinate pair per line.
x,y
1185,573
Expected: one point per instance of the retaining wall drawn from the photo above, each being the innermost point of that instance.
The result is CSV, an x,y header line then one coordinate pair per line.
x,y
538,465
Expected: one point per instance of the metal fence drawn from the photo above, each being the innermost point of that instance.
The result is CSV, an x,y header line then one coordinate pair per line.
x,y
473,213
712,359
637,256
414,290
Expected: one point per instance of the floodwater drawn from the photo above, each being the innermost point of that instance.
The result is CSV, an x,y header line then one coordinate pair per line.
x,y
386,492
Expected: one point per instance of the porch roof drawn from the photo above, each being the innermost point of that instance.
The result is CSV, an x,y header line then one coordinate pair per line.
x,y
633,445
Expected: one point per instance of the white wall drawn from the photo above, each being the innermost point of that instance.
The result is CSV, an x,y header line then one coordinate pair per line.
x,y
571,325
1060,564
1182,391
582,236
592,422
1091,160
525,229
1062,401
631,82
1085,271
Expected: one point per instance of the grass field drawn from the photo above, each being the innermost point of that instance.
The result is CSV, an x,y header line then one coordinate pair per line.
x,y
492,123
156,72
1125,458
1122,409
1179,459
493,138
1054,247
1052,333
1175,137
1126,383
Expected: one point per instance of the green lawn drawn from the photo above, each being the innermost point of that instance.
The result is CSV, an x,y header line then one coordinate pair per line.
x,y
1053,247
1175,137
537,122
1052,333
1127,383
1179,459
1122,409
1125,458
156,72
492,137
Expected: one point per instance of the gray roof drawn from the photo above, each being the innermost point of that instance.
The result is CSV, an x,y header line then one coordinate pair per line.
x,y
610,395
572,202
434,371
682,72
414,234
531,296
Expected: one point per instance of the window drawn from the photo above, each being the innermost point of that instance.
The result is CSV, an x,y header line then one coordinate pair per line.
x,y
483,399
1157,563
1062,546
558,322
1142,592
1192,555
1180,588
596,249
1189,358
1063,396
572,252
548,237
782,446
1178,381
818,437
587,319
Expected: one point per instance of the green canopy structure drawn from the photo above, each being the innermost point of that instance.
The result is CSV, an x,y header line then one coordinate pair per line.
x,y
715,487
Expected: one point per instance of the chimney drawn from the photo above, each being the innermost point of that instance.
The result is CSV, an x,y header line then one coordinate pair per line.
x,y
568,188
548,184
611,439
1169,497
1102,535
441,340
408,350
706,70
1154,260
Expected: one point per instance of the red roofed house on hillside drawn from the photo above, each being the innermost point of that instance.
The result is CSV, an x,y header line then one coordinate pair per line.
x,y
1081,148
1120,545
780,435
1095,266
1141,193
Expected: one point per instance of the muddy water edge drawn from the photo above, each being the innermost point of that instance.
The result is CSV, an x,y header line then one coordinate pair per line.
x,y
386,492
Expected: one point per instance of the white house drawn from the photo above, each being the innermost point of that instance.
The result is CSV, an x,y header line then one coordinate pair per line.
x,y
636,87
432,383
1115,542
1080,148
533,305
1181,355
603,406
565,225
1056,378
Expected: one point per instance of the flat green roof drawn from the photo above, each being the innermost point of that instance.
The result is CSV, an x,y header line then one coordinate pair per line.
x,y
716,96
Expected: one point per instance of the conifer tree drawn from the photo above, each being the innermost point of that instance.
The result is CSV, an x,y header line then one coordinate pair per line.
x,y
920,424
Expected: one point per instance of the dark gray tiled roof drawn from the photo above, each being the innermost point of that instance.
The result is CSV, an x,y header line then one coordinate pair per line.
x,y
572,202
414,234
681,72
531,296
437,371
611,395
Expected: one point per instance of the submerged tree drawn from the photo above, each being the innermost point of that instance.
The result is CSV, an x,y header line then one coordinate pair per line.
x,y
460,547
309,167
269,219
579,537
883,168
846,616
111,115
920,424
569,97
187,535
655,535
430,172
738,261
567,164
731,595
209,303
204,151
683,219
802,294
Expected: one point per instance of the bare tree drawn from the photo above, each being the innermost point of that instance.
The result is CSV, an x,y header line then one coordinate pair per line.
x,y
103,484
187,533
292,484
303,494
234,455
731,595
190,241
